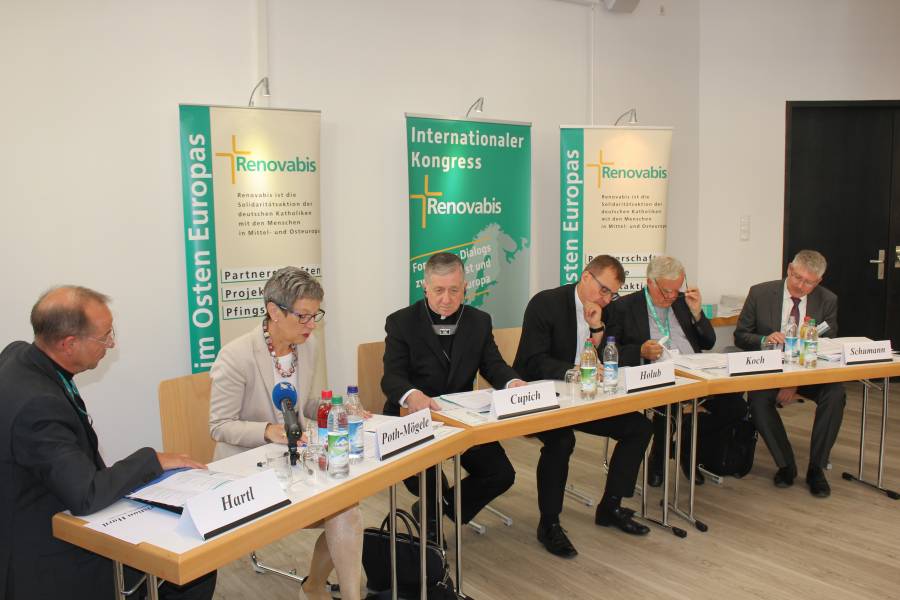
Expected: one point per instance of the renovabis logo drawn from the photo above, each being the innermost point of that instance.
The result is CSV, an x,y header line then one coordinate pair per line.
x,y
246,161
608,170
434,203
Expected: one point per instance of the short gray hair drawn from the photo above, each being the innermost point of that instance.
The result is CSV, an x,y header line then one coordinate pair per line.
x,y
443,263
812,261
59,313
664,267
290,284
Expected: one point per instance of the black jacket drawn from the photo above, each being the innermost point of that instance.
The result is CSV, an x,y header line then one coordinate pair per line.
x,y
628,321
413,358
547,346
761,314
49,463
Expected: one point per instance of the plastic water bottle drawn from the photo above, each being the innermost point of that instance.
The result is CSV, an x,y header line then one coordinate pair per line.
x,y
812,345
588,370
791,350
801,342
322,416
338,440
610,366
355,424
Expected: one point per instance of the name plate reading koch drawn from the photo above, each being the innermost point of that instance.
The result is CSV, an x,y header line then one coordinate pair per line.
x,y
218,510
754,363
524,400
398,435
648,377
860,353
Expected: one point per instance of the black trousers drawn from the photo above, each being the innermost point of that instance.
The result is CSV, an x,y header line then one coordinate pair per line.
x,y
722,412
830,399
632,432
489,475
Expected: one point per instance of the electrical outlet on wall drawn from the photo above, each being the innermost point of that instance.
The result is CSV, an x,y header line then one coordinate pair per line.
x,y
744,228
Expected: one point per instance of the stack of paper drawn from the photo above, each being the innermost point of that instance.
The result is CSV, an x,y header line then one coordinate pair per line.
x,y
173,489
831,349
479,400
699,362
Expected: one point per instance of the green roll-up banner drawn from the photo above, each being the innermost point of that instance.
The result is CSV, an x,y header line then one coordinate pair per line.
x,y
250,194
470,193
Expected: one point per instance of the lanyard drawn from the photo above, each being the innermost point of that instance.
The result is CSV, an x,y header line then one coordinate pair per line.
x,y
71,393
663,328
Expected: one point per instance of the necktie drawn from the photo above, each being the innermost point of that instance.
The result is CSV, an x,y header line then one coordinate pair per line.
x,y
795,310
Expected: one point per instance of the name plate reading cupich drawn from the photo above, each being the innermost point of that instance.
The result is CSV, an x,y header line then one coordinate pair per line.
x,y
221,509
648,377
404,433
755,363
860,353
524,400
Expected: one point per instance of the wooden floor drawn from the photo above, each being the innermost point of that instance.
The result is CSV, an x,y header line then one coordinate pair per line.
x,y
762,542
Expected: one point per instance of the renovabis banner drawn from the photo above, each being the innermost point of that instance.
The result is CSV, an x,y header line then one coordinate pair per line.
x,y
470,194
613,187
250,189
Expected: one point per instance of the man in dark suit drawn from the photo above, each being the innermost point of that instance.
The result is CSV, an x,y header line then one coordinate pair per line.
x,y
766,311
556,325
640,320
436,346
49,457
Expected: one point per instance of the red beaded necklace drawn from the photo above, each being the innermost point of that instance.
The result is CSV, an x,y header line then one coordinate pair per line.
x,y
282,372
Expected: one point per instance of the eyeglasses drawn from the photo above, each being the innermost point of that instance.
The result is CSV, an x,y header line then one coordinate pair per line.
x,y
109,340
801,280
668,293
304,318
604,291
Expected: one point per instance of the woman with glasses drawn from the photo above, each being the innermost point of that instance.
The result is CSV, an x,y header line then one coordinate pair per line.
x,y
283,348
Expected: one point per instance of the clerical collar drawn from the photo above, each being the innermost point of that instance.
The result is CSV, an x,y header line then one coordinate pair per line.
x,y
445,326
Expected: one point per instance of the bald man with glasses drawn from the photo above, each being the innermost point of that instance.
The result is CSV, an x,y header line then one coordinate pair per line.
x,y
766,311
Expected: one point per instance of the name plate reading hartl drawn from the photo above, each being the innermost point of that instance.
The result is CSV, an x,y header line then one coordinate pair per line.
x,y
755,363
648,377
402,434
218,510
860,353
524,400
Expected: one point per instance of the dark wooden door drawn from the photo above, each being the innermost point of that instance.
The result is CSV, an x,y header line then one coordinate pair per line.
x,y
841,198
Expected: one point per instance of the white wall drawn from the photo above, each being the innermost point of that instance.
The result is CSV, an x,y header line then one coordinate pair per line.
x,y
755,56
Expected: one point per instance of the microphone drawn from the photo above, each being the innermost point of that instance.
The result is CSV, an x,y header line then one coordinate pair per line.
x,y
284,397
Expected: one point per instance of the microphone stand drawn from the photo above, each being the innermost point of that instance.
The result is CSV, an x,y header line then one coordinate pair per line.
x,y
293,433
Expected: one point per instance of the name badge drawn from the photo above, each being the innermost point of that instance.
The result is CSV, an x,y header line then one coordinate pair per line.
x,y
859,353
398,435
754,363
524,400
648,377
218,510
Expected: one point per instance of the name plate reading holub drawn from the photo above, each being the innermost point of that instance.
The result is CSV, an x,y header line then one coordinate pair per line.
x,y
398,435
755,363
235,503
860,353
524,400
648,377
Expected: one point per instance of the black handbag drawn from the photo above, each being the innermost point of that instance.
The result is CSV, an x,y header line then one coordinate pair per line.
x,y
377,561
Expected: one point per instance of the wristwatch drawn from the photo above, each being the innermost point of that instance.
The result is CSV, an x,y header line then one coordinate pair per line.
x,y
594,330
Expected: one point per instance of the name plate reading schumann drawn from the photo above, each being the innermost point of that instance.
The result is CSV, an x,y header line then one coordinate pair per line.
x,y
524,400
404,433
754,363
860,353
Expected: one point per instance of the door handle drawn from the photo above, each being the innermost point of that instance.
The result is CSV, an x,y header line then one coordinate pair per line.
x,y
880,262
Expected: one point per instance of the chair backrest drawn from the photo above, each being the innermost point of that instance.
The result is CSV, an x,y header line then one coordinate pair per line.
x,y
184,416
507,340
369,370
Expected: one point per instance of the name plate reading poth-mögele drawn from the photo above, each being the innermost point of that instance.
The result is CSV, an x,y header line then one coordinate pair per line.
x,y
402,434
227,506
524,400
647,377
755,363
860,353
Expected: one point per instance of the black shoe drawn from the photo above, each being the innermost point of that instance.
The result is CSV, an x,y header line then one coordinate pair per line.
x,y
699,479
621,518
784,478
555,540
818,485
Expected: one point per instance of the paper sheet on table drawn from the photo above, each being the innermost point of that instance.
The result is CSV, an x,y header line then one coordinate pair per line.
x,y
701,361
376,421
131,521
832,349
479,400
173,490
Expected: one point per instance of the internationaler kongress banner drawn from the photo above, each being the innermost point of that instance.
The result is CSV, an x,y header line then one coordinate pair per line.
x,y
470,193
250,185
614,182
